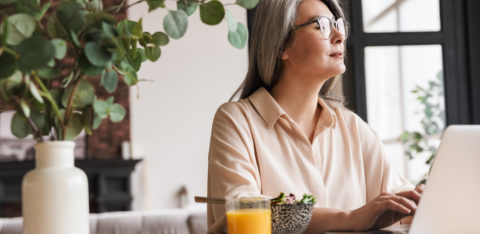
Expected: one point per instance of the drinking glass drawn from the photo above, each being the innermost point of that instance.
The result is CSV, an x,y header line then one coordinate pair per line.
x,y
249,216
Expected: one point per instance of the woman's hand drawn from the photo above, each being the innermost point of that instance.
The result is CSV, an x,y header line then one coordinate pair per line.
x,y
385,210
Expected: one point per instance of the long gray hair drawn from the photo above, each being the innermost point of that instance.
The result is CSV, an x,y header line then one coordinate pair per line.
x,y
271,34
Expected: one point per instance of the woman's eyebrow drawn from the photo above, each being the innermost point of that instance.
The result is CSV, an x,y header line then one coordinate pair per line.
x,y
318,16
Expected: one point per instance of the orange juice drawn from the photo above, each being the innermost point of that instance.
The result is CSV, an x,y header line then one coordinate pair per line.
x,y
249,221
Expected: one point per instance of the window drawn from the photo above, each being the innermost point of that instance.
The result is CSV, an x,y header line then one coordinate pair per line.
x,y
398,47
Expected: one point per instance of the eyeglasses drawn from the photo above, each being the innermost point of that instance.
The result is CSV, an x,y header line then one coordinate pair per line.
x,y
325,26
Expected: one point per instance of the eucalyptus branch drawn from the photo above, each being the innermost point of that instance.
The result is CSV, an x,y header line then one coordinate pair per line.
x,y
128,6
49,97
69,110
10,51
37,130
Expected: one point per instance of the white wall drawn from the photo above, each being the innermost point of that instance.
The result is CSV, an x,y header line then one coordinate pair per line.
x,y
171,120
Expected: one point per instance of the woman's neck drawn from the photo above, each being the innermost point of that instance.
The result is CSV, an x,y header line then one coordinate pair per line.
x,y
300,102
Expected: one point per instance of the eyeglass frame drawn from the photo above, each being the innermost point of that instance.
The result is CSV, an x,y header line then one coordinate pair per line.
x,y
333,23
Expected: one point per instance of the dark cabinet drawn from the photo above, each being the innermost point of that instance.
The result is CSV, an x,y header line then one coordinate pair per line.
x,y
108,181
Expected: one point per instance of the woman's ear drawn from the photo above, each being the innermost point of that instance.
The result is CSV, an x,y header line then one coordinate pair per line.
x,y
284,55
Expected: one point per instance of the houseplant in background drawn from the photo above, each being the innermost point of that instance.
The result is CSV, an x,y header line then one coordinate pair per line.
x,y
417,143
49,51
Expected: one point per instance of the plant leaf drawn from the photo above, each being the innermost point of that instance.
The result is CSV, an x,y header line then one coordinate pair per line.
x,y
247,4
212,12
21,26
71,15
25,108
154,4
153,53
97,55
109,80
88,68
31,7
20,126
117,113
190,8
34,52
232,22
74,127
8,65
160,39
35,93
175,23
60,48
49,73
238,38
83,96
101,108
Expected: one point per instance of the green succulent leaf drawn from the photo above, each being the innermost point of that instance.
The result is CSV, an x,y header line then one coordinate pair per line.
x,y
97,55
74,127
20,126
54,28
8,65
152,53
49,73
71,15
35,93
35,52
117,113
20,27
60,48
212,12
109,80
31,7
154,4
248,4
160,39
83,96
101,108
189,8
232,22
25,108
238,38
175,23
88,68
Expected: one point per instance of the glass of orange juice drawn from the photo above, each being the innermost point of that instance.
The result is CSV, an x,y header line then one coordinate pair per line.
x,y
249,216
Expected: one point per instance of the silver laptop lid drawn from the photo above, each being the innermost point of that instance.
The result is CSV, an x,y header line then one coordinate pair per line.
x,y
451,200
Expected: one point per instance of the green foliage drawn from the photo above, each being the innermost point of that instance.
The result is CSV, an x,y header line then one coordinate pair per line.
x,y
418,142
52,96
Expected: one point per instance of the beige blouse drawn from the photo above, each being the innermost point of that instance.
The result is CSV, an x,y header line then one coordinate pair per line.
x,y
257,149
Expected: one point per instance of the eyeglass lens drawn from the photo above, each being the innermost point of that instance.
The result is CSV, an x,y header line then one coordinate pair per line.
x,y
325,24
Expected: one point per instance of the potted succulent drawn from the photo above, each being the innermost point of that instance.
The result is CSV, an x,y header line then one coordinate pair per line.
x,y
49,51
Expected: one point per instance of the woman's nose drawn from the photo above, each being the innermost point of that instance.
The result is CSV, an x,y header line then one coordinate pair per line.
x,y
337,37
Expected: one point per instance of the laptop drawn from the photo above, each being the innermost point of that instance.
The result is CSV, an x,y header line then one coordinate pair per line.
x,y
451,199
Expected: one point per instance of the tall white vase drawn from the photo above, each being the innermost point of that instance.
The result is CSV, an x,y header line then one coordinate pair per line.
x,y
55,193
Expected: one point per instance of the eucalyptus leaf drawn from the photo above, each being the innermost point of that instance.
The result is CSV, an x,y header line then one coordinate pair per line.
x,y
248,4
67,79
88,68
49,73
71,15
130,76
232,22
83,96
117,113
175,23
97,121
35,93
4,27
9,84
154,4
42,11
51,63
109,80
60,48
97,55
101,108
212,12
40,119
152,53
25,108
160,39
189,8
73,37
31,7
74,127
54,29
8,65
20,126
21,26
109,30
87,120
35,52
238,38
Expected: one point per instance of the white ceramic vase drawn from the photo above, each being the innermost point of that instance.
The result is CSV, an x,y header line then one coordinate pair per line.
x,y
55,193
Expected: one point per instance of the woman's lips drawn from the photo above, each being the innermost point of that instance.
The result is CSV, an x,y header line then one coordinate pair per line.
x,y
337,55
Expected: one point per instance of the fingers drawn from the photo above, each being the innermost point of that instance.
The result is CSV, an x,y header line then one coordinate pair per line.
x,y
395,206
412,195
397,203
419,188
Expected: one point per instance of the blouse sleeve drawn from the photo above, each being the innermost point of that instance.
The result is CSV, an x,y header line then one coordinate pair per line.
x,y
232,166
379,175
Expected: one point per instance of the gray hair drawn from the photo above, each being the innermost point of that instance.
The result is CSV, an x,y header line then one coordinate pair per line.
x,y
270,35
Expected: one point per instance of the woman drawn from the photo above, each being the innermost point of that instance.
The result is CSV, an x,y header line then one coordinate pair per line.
x,y
288,134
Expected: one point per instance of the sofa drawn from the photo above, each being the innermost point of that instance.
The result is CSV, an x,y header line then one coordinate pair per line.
x,y
188,221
